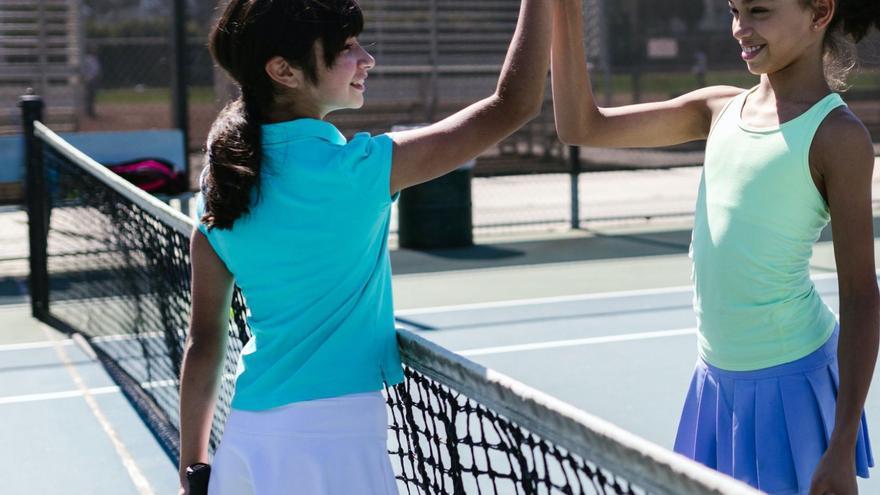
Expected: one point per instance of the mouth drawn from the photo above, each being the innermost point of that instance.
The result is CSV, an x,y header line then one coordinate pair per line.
x,y
359,84
750,52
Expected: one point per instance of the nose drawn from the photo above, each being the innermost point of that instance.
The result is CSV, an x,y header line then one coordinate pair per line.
x,y
366,60
741,30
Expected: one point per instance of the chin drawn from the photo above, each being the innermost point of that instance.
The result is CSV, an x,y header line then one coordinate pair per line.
x,y
756,69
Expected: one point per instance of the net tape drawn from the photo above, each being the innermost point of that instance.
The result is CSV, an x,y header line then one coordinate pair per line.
x,y
120,272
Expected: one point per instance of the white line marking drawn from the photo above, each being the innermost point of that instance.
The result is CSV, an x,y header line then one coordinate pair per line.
x,y
17,399
577,342
129,336
34,345
137,477
14,306
543,300
67,394
557,299
66,342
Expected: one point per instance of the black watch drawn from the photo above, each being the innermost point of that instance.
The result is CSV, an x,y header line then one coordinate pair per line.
x,y
197,476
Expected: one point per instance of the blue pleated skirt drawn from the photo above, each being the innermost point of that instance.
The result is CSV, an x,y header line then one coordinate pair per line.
x,y
767,427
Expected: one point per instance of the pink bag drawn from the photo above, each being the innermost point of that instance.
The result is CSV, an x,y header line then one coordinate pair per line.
x,y
153,175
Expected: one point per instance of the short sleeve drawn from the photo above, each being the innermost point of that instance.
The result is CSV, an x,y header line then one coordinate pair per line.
x,y
200,212
367,160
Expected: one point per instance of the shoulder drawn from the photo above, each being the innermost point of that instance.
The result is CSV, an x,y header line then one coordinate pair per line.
x,y
712,97
842,144
709,102
366,147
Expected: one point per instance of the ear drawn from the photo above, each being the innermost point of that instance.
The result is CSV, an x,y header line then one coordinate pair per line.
x,y
280,71
823,13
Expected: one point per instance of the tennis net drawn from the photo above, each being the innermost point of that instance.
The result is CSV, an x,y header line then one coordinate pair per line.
x,y
111,264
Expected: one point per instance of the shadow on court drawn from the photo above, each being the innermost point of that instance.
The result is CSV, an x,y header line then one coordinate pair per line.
x,y
593,246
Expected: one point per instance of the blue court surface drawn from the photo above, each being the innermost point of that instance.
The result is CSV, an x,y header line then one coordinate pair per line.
x,y
602,321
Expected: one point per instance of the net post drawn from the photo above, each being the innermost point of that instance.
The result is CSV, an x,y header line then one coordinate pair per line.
x,y
574,154
37,205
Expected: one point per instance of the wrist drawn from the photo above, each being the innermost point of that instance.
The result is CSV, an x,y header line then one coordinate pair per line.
x,y
843,442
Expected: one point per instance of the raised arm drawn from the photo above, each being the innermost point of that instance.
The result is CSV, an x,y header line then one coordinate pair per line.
x,y
580,122
423,154
204,352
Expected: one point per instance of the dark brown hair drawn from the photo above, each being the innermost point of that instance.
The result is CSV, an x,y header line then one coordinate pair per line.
x,y
852,22
249,34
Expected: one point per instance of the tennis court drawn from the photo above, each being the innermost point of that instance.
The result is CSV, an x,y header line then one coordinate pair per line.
x,y
624,356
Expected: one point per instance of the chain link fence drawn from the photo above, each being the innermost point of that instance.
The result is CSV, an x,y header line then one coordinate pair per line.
x,y
433,58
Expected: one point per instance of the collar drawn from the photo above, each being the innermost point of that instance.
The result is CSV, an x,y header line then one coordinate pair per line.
x,y
301,128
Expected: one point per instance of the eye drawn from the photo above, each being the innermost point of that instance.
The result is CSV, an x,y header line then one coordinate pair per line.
x,y
350,44
758,11
733,12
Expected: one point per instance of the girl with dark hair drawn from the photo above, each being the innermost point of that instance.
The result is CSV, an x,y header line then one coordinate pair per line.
x,y
768,403
297,216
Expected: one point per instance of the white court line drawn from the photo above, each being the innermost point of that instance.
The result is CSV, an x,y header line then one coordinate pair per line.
x,y
18,399
134,473
67,394
597,296
126,336
66,342
543,300
556,344
34,345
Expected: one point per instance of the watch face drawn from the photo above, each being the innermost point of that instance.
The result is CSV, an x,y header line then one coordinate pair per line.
x,y
196,468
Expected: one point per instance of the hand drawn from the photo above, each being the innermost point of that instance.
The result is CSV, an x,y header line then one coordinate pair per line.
x,y
836,473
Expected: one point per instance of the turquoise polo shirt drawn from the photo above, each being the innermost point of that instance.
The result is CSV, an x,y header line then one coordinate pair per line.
x,y
311,259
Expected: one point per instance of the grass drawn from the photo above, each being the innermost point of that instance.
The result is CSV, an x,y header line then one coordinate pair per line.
x,y
672,83
666,84
142,95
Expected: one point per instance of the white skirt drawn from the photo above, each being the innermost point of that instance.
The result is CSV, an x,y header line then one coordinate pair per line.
x,y
320,447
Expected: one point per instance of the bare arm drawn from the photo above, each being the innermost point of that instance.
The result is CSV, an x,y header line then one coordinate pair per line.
x,y
843,154
580,122
429,152
204,352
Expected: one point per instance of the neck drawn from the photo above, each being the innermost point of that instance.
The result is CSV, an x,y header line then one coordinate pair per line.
x,y
295,108
801,81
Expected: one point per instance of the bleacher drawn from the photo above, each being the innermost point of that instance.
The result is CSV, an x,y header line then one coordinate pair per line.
x,y
39,49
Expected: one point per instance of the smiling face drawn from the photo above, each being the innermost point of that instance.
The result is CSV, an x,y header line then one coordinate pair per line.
x,y
774,34
342,86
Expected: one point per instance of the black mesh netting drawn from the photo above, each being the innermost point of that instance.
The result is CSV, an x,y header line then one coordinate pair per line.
x,y
120,275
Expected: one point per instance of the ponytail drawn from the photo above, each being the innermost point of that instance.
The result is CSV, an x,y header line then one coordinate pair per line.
x,y
231,184
852,22
247,35
857,17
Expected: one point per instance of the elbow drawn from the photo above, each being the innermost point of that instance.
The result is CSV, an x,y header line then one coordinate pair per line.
x,y
572,137
566,137
579,130
518,109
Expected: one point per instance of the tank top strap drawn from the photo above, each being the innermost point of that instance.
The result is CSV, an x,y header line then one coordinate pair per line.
x,y
733,107
729,115
813,118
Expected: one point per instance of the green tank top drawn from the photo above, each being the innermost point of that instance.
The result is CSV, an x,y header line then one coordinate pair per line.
x,y
758,216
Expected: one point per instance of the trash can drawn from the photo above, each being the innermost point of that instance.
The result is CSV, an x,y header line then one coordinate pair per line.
x,y
437,214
